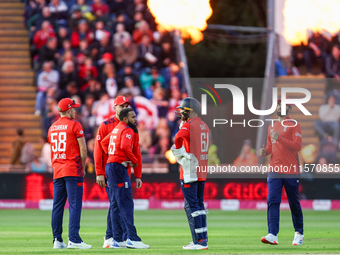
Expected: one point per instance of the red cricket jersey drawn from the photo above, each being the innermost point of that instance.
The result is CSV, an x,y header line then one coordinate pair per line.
x,y
195,135
285,149
100,157
122,144
65,153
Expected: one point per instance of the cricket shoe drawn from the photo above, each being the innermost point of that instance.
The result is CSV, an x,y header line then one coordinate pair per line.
x,y
108,242
82,245
270,238
193,246
136,244
59,245
298,239
190,244
117,245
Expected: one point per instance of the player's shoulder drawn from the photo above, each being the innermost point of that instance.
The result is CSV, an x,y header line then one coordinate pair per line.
x,y
76,124
109,121
125,128
185,126
127,131
107,126
203,125
67,121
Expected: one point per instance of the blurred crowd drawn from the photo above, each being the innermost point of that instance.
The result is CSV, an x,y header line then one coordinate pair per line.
x,y
319,56
327,127
95,50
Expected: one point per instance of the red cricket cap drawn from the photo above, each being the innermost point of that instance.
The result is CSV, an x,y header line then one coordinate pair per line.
x,y
279,101
107,55
67,103
121,100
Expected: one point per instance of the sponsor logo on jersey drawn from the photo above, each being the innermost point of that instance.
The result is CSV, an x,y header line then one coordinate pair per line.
x,y
81,132
128,136
298,134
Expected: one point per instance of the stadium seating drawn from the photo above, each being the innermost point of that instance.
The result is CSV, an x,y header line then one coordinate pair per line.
x,y
17,95
317,88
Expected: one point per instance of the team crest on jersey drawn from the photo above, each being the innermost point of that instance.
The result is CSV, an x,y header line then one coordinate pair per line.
x,y
81,132
98,137
128,136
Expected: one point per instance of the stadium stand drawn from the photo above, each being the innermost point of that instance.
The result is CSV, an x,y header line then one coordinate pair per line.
x,y
317,88
17,95
91,51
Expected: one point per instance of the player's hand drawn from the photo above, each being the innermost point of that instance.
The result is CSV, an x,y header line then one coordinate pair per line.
x,y
262,151
138,183
133,165
100,179
275,135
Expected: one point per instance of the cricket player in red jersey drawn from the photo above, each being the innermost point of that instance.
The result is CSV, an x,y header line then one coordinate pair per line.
x,y
191,151
284,142
68,156
100,159
122,146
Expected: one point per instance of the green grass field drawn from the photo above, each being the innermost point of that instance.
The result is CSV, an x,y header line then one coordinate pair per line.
x,y
29,232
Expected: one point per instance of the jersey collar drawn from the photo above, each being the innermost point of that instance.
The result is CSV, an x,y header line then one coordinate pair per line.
x,y
193,118
116,119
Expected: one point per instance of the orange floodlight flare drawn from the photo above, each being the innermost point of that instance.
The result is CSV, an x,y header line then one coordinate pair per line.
x,y
301,16
188,16
170,157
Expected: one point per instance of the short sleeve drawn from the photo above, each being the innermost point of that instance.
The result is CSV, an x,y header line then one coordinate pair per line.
x,y
78,130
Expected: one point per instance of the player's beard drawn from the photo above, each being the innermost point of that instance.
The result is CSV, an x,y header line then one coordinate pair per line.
x,y
183,118
133,126
279,113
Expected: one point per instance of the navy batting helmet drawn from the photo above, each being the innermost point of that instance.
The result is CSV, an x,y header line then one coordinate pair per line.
x,y
190,104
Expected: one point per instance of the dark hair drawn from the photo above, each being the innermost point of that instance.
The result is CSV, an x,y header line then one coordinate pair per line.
x,y
124,113
72,84
20,132
50,39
